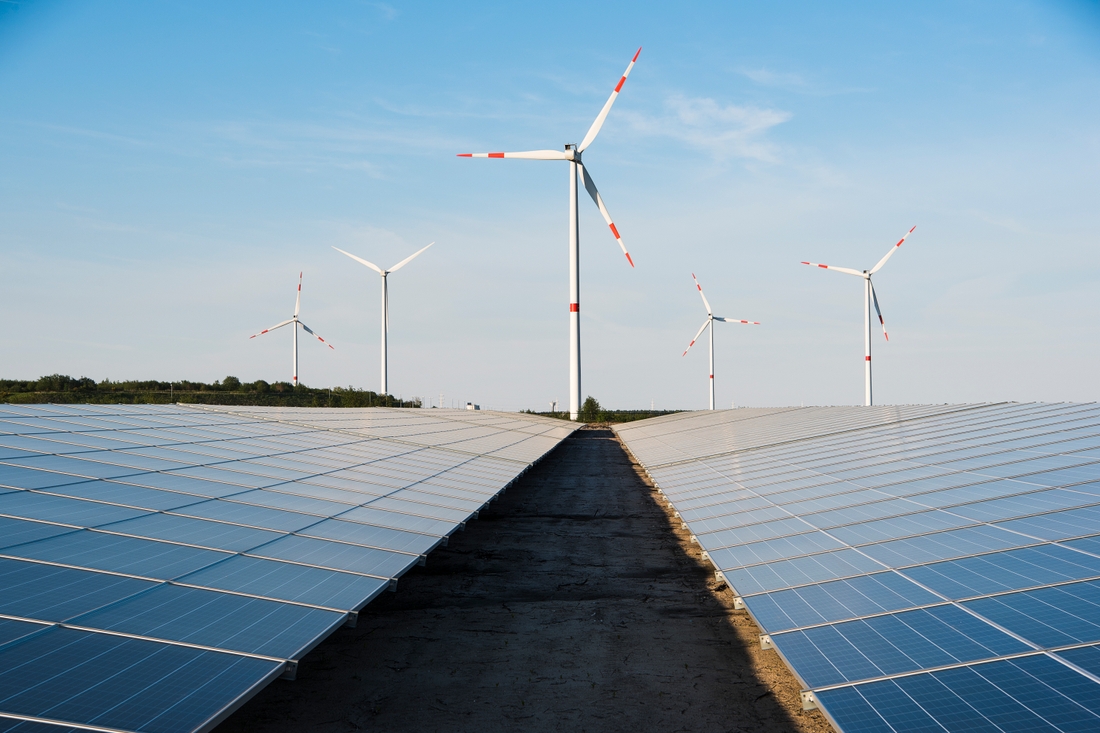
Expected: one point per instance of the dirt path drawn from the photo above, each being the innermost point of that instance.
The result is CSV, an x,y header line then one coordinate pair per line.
x,y
573,604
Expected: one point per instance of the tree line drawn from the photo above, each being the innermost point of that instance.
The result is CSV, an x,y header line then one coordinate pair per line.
x,y
61,388
592,412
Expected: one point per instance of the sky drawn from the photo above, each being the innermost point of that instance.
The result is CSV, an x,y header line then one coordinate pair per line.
x,y
168,168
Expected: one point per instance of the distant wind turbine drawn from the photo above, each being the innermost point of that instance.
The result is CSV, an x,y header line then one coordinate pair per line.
x,y
869,297
296,322
385,305
710,322
572,153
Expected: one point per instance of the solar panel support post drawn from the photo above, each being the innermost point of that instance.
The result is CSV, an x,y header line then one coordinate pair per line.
x,y
809,700
766,642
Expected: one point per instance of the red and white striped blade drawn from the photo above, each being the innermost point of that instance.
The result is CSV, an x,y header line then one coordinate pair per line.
x,y
736,320
874,299
266,330
360,260
893,249
700,289
317,336
526,155
696,337
846,270
590,186
408,259
598,123
298,298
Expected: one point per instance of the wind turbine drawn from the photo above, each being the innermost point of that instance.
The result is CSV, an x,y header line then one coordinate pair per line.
x,y
869,297
296,322
572,154
710,322
385,304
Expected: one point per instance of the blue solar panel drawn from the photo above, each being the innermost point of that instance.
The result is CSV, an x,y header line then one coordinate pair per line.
x,y
52,593
221,620
14,532
893,644
1033,693
1085,657
197,586
115,554
1048,617
871,544
116,682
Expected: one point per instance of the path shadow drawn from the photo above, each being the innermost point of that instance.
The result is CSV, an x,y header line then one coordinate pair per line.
x,y
575,603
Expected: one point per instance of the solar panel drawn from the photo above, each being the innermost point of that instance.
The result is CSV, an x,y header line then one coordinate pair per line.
x,y
160,564
917,568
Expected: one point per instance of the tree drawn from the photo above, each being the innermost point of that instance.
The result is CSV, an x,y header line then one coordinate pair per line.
x,y
590,410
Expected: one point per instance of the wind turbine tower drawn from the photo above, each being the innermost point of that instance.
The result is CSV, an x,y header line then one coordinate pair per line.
x,y
385,305
869,298
711,318
572,154
296,322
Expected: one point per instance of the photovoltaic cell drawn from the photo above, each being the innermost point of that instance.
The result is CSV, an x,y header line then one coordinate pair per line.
x,y
227,543
116,682
952,580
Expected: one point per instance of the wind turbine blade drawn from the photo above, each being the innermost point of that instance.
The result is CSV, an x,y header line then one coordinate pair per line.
x,y
696,338
878,310
595,129
266,330
734,320
407,260
893,249
315,335
700,287
525,155
360,260
846,270
590,186
298,298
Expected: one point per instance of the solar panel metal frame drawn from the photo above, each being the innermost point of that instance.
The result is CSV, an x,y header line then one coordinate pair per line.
x,y
678,456
113,453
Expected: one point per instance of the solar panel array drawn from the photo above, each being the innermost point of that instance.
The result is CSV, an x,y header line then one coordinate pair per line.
x,y
918,568
161,564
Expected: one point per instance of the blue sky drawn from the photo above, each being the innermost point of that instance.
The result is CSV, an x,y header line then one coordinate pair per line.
x,y
167,169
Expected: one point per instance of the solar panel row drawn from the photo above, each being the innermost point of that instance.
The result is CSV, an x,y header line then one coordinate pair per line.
x,y
160,564
918,568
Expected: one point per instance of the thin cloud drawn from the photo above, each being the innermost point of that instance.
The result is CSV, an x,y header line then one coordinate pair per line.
x,y
725,131
388,12
768,78
792,82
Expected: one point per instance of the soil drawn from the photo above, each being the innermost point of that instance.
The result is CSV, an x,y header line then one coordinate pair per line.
x,y
575,603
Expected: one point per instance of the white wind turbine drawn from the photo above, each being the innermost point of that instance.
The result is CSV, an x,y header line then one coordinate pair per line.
x,y
385,304
710,322
572,154
869,297
296,322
